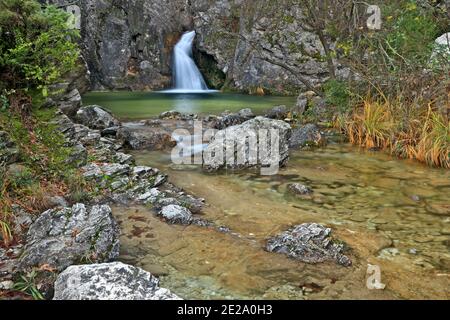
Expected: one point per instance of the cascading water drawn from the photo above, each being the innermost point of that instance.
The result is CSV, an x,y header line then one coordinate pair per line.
x,y
186,74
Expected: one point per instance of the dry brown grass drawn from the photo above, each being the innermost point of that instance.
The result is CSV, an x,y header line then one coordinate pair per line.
x,y
408,132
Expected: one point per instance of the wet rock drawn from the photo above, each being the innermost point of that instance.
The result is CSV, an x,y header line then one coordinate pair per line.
x,y
176,214
310,243
60,238
96,117
234,138
109,281
307,135
299,189
70,103
279,113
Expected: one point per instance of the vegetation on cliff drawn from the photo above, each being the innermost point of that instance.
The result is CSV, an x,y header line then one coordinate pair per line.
x,y
36,50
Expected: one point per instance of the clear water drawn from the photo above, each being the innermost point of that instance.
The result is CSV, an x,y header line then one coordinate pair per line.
x,y
142,105
392,213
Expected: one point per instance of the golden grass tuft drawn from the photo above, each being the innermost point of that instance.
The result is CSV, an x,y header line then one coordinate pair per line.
x,y
415,133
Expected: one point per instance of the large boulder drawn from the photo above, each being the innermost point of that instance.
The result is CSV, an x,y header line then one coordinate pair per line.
x,y
310,243
142,137
234,138
60,238
307,135
96,117
109,281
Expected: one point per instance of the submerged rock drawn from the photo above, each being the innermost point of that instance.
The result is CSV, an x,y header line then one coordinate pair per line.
x,y
109,281
60,238
307,135
236,138
299,189
96,117
310,243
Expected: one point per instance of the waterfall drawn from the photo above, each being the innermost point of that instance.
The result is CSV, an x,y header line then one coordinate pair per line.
x,y
186,74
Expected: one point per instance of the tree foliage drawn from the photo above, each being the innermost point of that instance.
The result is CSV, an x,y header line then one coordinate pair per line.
x,y
37,47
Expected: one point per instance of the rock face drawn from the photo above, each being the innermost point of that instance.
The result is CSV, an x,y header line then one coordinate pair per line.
x,y
96,117
60,238
307,135
244,154
109,281
310,243
128,44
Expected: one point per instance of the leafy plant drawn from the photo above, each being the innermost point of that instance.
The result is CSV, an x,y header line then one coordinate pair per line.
x,y
27,284
37,45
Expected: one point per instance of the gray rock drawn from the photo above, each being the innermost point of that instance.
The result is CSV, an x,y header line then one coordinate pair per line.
x,y
176,214
60,238
301,104
307,135
138,138
70,103
9,153
279,113
214,153
143,172
228,120
310,243
170,115
109,281
246,113
96,117
78,156
299,189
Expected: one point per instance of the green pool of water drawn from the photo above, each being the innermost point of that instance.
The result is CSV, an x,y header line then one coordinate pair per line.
x,y
141,105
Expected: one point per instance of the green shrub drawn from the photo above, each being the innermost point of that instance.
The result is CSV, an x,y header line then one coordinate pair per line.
x,y
37,47
337,93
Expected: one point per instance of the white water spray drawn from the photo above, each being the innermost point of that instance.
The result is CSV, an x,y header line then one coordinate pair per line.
x,y
186,74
